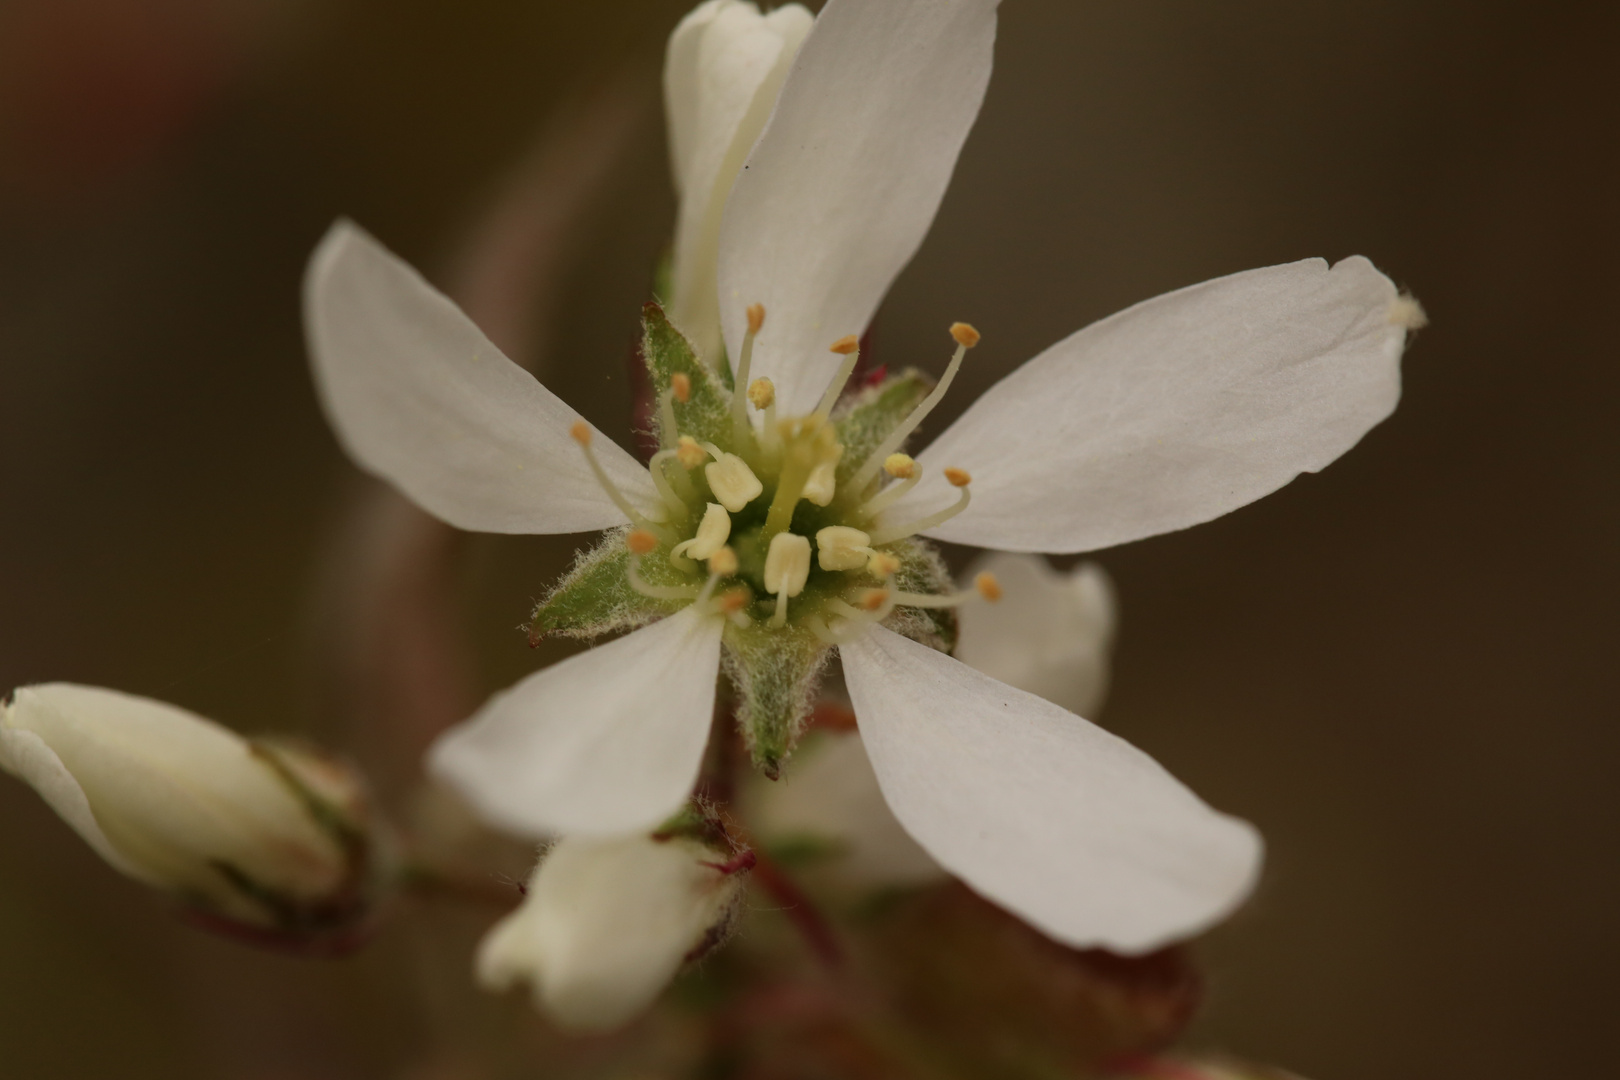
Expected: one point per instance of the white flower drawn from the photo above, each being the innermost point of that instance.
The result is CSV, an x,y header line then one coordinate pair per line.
x,y
722,71
607,923
1051,634
187,806
1173,412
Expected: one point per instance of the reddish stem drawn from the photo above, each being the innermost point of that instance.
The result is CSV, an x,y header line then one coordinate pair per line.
x,y
801,911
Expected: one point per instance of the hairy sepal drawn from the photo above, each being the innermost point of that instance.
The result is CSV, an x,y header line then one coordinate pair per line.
x,y
595,596
775,672
869,416
923,571
706,414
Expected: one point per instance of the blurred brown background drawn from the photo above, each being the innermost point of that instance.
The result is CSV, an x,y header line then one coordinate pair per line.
x,y
1401,669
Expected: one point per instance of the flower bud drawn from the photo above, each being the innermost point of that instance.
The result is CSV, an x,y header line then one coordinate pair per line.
x,y
608,922
268,840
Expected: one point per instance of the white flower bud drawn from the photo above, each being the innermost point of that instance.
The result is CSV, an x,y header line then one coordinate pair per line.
x,y
259,836
607,924
722,71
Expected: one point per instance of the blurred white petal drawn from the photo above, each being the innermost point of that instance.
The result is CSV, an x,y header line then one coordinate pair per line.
x,y
844,183
420,397
1051,634
606,925
1072,829
1175,411
723,70
828,797
605,742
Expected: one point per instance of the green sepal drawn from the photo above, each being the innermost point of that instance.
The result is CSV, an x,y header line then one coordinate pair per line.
x,y
775,672
875,412
595,596
923,571
706,415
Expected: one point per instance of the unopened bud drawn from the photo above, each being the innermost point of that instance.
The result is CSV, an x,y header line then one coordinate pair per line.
x,y
607,923
269,840
681,386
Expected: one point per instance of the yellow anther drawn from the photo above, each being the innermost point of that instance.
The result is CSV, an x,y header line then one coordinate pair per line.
x,y
681,386
839,547
845,345
761,393
899,466
787,564
731,480
958,477
883,564
756,317
724,562
689,453
640,541
872,599
988,586
965,335
581,432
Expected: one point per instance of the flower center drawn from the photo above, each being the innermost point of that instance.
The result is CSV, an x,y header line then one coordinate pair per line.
x,y
772,525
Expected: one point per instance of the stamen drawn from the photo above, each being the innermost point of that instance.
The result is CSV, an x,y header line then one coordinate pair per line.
x,y
902,467
883,564
822,483
660,480
966,337
839,547
787,568
712,533
689,453
958,478
850,346
731,480
724,563
680,384
657,592
739,406
762,393
987,585
640,542
581,433
666,417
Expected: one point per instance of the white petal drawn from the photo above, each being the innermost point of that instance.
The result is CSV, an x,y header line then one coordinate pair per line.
x,y
419,396
27,757
1065,825
680,86
605,742
606,925
729,72
1050,634
829,795
1175,411
845,181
